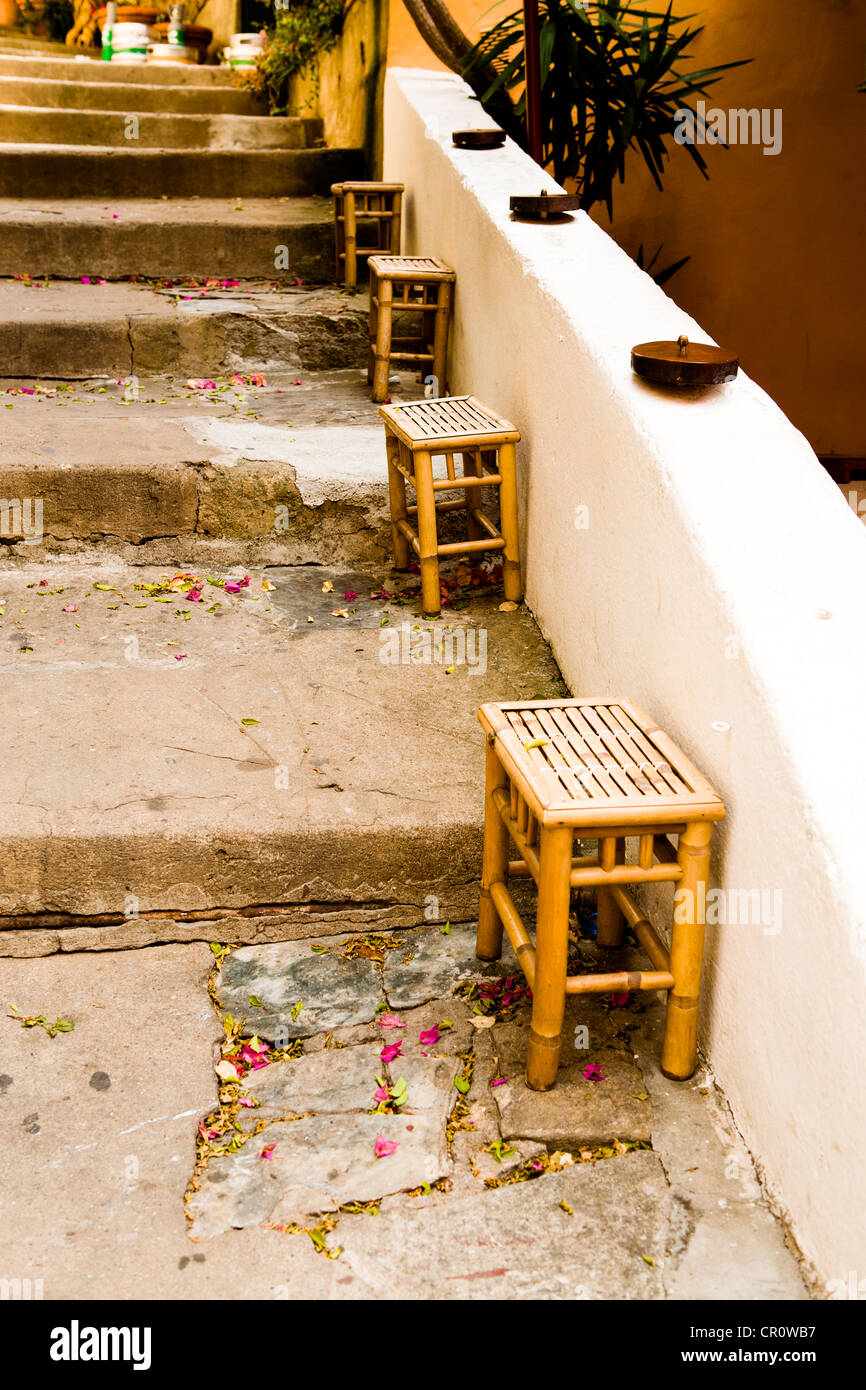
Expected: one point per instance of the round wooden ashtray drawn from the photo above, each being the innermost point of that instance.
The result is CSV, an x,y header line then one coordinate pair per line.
x,y
478,139
543,207
682,363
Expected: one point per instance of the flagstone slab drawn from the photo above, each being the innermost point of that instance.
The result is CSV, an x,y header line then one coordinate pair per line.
x,y
317,1165
517,1242
331,1082
432,965
576,1112
331,990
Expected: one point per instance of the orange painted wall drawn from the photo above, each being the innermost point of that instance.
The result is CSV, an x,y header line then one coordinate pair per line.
x,y
407,49
777,243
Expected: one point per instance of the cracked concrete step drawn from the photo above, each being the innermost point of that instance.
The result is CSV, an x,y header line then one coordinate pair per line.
x,y
253,475
87,94
89,171
288,776
177,238
132,130
70,331
58,66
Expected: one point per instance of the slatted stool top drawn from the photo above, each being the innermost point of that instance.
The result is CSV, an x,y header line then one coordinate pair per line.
x,y
594,763
361,186
447,422
412,268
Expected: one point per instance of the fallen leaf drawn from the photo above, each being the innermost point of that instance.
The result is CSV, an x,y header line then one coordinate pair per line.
x,y
249,721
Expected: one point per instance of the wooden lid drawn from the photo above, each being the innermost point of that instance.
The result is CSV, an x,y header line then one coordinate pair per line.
x,y
478,139
682,363
543,206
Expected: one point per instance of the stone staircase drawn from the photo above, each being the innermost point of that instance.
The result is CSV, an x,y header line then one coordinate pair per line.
x,y
293,753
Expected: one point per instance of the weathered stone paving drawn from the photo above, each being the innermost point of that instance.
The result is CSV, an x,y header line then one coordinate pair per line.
x,y
484,1189
312,1139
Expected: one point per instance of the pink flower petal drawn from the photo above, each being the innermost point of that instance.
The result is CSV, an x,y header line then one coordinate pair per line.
x,y
499,1081
267,1151
70,608
390,1051
350,595
619,1000
593,1072
382,1094
390,1021
429,1036
383,1147
180,656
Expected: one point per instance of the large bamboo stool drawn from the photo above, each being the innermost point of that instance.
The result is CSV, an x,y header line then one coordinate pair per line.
x,y
601,770
408,284
414,434
381,203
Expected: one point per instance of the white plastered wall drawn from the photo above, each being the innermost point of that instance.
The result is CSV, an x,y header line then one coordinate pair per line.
x,y
721,578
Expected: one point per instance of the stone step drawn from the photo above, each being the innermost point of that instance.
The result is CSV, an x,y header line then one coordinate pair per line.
x,y
82,171
176,771
13,41
177,239
89,95
58,66
130,131
71,331
289,474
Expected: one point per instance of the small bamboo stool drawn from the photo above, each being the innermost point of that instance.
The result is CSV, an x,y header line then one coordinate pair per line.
x,y
413,434
602,770
423,286
381,203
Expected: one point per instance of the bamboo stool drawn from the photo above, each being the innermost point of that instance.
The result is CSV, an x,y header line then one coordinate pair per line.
x,y
409,284
602,770
381,203
417,431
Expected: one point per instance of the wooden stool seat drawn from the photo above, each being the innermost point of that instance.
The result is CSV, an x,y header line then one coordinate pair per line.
x,y
602,770
414,434
417,285
380,204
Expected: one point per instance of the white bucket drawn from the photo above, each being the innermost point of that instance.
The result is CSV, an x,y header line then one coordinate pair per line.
x,y
171,53
256,41
129,43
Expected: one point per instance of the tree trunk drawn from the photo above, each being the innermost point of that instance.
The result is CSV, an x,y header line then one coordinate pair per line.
x,y
443,35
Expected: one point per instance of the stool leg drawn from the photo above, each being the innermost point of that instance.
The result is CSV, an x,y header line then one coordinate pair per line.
x,y
488,942
610,923
512,582
551,956
472,499
427,539
339,228
374,325
396,223
440,336
397,492
351,240
381,367
679,1050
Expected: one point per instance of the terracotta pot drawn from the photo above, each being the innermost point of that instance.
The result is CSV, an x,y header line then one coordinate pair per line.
x,y
195,36
130,14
